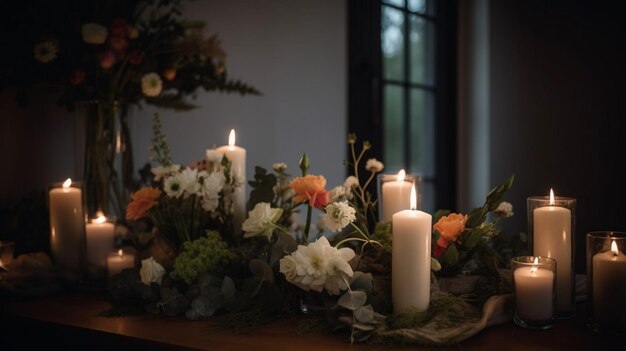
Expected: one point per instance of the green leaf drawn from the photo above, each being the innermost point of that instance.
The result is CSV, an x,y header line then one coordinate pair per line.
x,y
440,213
352,300
451,256
261,269
285,244
476,217
262,187
473,238
364,314
362,281
495,195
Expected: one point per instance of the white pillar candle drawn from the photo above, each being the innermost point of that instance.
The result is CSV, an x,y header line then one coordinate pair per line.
x,y
410,275
609,287
100,240
67,226
237,156
118,261
534,294
552,238
396,196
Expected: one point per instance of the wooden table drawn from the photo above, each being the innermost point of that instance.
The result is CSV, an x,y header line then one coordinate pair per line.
x,y
71,322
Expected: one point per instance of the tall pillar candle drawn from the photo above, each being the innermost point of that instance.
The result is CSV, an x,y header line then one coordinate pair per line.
x,y
237,156
67,226
395,195
100,240
410,274
552,237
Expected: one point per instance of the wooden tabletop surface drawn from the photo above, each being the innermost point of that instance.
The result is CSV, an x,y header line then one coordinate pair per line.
x,y
73,320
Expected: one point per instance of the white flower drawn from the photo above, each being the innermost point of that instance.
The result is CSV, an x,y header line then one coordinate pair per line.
x,y
504,209
373,165
151,84
338,215
351,182
214,156
337,193
212,185
279,167
151,271
173,186
190,183
161,171
46,51
261,221
93,33
318,266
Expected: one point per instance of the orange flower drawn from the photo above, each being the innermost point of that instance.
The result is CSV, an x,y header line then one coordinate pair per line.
x,y
310,188
142,201
451,226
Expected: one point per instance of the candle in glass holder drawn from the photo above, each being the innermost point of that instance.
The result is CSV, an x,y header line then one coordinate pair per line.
x,y
100,240
118,261
237,156
609,287
67,226
410,273
396,196
533,283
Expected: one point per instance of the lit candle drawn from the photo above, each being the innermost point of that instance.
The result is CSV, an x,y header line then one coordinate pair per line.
x,y
410,275
609,287
67,226
100,241
396,196
118,261
237,156
552,237
534,292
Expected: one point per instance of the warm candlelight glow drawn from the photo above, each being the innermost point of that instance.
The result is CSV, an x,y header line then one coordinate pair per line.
x,y
552,203
401,175
614,248
413,201
231,138
120,252
101,219
67,183
534,269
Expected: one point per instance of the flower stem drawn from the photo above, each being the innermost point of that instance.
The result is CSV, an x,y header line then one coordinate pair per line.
x,y
307,226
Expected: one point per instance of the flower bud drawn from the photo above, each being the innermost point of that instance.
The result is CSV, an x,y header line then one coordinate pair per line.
x,y
351,138
304,163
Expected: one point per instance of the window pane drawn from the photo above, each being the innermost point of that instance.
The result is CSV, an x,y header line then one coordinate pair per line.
x,y
393,133
392,39
428,197
422,38
426,7
399,3
423,132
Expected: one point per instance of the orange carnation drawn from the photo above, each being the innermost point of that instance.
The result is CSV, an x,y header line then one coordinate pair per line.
x,y
310,188
141,202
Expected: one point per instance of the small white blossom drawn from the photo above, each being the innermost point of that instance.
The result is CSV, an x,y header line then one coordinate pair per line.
x,y
261,221
160,171
46,51
338,215
373,165
173,186
189,182
279,167
504,209
212,185
93,33
151,271
214,156
339,193
351,182
151,84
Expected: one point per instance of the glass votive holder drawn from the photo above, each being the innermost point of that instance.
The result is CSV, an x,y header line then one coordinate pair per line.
x,y
121,259
534,283
6,252
606,281
394,193
100,241
551,233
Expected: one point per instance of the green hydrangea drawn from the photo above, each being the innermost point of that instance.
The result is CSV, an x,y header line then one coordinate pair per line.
x,y
206,254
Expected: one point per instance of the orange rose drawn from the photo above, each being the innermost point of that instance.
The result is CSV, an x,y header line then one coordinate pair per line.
x,y
310,188
450,227
142,201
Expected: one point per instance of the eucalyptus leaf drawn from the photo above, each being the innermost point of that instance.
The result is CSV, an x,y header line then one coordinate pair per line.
x,y
363,326
285,244
352,299
362,281
228,287
364,314
261,269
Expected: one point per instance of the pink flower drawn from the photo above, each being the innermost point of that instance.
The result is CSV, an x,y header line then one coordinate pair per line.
x,y
107,60
169,73
118,44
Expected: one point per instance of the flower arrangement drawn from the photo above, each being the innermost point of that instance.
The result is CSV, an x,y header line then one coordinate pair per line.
x,y
278,266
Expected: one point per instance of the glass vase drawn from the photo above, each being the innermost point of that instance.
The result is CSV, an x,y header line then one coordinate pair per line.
x,y
314,303
103,156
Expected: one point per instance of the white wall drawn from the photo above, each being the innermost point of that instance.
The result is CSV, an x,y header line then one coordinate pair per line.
x,y
294,52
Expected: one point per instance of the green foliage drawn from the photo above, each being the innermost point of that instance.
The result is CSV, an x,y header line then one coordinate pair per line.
x,y
160,148
206,254
382,234
262,187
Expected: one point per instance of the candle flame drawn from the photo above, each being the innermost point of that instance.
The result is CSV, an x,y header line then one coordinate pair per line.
x,y
614,248
120,252
231,138
67,183
413,198
533,270
535,262
401,175
101,219
552,203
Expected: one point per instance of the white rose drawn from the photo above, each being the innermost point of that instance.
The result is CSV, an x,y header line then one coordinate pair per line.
x,y
93,33
261,221
288,268
151,271
151,84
